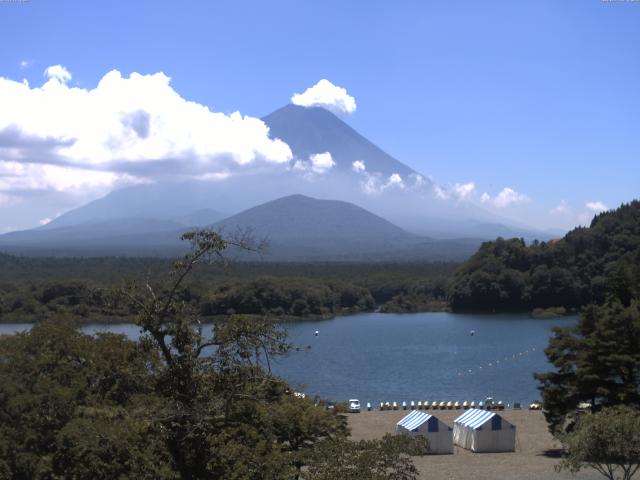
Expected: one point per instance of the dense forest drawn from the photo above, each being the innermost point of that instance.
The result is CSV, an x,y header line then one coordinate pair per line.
x,y
37,288
588,265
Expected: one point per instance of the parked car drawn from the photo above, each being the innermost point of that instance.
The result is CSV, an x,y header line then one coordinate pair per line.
x,y
535,405
354,405
330,405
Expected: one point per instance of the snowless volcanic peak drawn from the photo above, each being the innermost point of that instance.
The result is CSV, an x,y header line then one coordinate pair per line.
x,y
310,130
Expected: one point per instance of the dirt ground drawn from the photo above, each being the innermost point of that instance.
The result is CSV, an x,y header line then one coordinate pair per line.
x,y
534,459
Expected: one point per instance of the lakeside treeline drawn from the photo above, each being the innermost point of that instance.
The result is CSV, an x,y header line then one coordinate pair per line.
x,y
37,288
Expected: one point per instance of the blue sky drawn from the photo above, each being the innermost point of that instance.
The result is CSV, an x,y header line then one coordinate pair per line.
x,y
541,97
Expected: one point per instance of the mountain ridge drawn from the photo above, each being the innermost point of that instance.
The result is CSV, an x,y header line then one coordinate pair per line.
x,y
298,227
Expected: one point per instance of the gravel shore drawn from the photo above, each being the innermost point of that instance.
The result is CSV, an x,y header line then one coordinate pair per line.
x,y
534,459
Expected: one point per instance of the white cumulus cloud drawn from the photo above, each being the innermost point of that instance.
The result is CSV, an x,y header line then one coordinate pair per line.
x,y
596,207
318,164
31,176
395,179
418,181
464,190
505,198
376,183
321,162
125,130
57,72
457,191
327,95
441,192
358,166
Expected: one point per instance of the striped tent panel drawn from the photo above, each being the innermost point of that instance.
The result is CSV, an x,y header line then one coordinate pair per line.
x,y
474,418
465,415
414,420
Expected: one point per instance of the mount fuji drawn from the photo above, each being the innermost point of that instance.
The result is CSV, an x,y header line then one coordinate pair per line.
x,y
331,161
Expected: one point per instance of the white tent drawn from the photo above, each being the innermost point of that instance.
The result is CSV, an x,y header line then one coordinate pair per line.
x,y
438,433
484,431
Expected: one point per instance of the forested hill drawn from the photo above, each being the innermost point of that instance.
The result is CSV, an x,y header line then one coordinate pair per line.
x,y
585,266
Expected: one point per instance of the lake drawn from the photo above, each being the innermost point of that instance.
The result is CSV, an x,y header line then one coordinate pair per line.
x,y
423,356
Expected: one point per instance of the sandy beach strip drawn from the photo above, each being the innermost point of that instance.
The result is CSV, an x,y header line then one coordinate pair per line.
x,y
534,459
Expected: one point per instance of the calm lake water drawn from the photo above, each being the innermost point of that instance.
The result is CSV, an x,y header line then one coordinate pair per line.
x,y
427,356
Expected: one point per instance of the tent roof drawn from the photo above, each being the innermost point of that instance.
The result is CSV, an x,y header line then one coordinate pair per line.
x,y
475,418
414,420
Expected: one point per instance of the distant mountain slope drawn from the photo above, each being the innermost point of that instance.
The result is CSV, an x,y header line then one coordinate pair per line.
x,y
301,217
494,230
587,265
310,130
176,202
303,228
298,228
122,237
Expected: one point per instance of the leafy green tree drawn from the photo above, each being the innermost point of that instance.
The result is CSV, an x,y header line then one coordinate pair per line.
x,y
48,375
302,423
107,443
597,362
384,459
607,441
223,412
